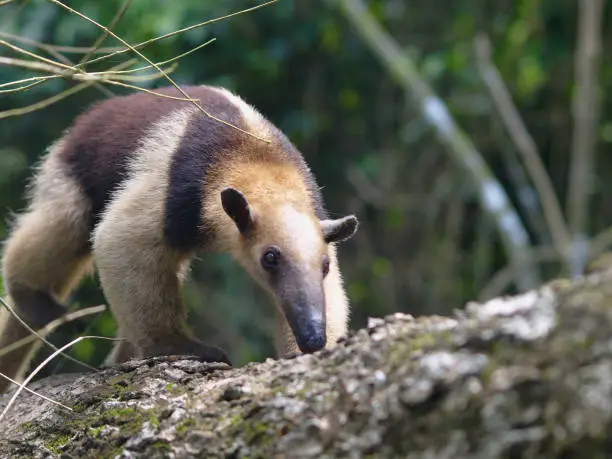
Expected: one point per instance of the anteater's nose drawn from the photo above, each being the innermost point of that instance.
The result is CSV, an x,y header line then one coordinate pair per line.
x,y
309,331
312,342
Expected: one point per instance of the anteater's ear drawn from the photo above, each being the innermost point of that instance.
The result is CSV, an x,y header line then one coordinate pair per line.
x,y
237,207
340,229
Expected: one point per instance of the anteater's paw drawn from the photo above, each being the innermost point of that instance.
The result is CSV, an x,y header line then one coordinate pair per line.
x,y
188,350
292,356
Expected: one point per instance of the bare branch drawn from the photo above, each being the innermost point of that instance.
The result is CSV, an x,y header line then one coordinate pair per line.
x,y
88,81
525,145
52,326
585,111
32,65
159,69
52,51
44,363
57,50
44,397
39,81
492,196
175,58
178,32
44,340
39,58
126,4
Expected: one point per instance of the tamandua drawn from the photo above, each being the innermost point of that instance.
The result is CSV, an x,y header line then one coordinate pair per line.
x,y
138,185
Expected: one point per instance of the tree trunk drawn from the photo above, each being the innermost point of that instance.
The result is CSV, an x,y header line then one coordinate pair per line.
x,y
524,376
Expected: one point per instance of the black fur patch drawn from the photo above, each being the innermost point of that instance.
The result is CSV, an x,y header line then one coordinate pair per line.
x,y
36,308
204,144
102,140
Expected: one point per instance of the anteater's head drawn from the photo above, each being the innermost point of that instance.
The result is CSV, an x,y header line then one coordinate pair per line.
x,y
285,248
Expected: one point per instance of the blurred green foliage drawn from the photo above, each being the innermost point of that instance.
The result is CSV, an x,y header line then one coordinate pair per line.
x,y
424,245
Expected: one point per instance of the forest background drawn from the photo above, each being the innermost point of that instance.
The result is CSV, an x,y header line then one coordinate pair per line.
x,y
471,138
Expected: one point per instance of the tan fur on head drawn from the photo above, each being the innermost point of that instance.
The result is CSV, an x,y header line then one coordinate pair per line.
x,y
267,187
283,214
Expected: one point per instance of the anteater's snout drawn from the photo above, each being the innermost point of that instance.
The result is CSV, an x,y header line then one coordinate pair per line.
x,y
312,341
308,326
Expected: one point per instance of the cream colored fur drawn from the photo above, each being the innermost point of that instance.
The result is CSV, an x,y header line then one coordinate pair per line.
x,y
253,119
46,250
142,283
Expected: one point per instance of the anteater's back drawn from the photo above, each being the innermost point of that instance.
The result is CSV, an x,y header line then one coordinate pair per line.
x,y
101,142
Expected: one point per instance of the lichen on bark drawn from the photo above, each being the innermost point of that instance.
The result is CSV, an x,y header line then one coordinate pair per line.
x,y
523,376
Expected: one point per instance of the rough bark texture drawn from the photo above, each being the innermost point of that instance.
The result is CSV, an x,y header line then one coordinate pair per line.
x,y
525,376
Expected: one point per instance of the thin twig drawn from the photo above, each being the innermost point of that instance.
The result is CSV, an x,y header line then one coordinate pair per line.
x,y
125,5
525,145
61,350
585,111
121,76
69,92
52,326
491,194
43,46
56,50
175,58
38,57
44,397
180,31
55,53
148,91
46,102
23,88
89,80
34,66
27,80
101,77
159,69
42,338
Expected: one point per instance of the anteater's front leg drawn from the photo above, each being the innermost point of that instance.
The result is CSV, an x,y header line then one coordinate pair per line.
x,y
141,278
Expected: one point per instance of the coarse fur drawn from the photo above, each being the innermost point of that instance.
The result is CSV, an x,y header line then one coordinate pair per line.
x,y
140,184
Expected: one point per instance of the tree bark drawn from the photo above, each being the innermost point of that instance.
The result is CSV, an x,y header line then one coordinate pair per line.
x,y
525,376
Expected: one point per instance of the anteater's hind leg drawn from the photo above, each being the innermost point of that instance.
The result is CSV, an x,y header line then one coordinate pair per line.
x,y
45,256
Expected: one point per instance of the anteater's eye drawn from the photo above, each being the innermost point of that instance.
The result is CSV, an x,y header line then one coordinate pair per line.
x,y
325,266
270,258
